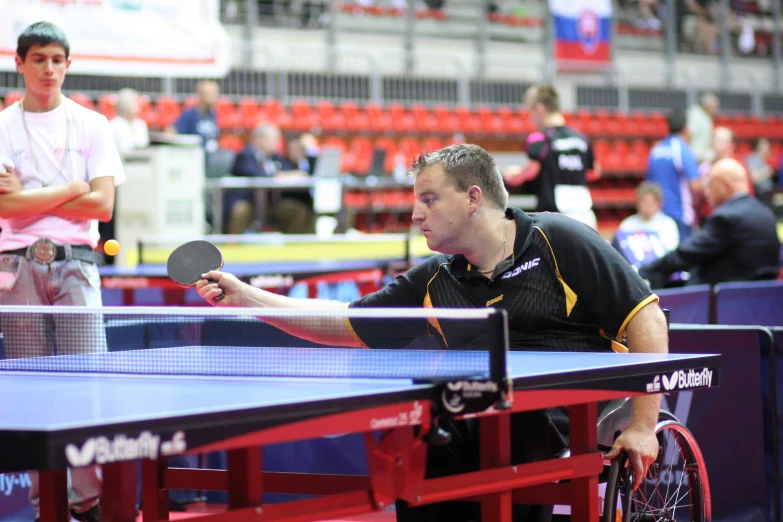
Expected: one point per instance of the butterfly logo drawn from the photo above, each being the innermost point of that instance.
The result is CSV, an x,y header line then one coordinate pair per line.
x,y
83,457
669,383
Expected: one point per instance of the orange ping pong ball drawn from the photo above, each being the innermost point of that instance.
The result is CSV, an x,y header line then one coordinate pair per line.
x,y
111,247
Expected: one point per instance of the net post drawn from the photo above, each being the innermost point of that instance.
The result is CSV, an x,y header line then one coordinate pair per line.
x,y
497,340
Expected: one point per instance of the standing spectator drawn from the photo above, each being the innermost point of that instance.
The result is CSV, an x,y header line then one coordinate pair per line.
x,y
673,167
649,218
561,160
129,130
59,169
700,125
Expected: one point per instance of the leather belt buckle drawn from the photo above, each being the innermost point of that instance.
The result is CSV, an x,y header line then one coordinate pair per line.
x,y
43,251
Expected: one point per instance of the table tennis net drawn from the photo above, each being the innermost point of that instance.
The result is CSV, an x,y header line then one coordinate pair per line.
x,y
406,343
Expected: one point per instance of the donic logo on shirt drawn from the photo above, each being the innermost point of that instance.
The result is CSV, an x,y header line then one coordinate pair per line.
x,y
527,265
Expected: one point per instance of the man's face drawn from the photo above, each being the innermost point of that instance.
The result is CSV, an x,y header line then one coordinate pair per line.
x,y
268,142
440,210
296,151
722,144
712,107
537,115
43,69
763,148
647,206
208,93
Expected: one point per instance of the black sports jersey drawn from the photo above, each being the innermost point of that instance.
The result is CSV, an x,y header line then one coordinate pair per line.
x,y
565,156
568,290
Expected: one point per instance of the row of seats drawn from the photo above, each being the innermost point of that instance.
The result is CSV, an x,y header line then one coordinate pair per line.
x,y
349,117
618,157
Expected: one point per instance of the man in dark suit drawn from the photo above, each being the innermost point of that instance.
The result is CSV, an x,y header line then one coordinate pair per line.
x,y
737,242
292,211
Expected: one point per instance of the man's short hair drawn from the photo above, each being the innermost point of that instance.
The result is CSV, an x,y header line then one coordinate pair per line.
x,y
265,129
43,34
676,121
724,130
125,98
467,165
653,189
546,95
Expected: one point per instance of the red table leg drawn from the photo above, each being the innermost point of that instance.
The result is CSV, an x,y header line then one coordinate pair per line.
x,y
584,439
495,439
118,501
53,495
154,492
244,478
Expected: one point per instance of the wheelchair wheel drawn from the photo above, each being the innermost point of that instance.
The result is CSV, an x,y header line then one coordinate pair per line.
x,y
676,488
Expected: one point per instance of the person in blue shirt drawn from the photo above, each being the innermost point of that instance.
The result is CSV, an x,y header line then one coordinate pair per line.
x,y
673,166
201,119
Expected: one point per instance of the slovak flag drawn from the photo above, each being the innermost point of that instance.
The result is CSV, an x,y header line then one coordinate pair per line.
x,y
582,30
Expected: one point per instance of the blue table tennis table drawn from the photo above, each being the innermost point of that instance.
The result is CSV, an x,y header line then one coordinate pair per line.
x,y
120,407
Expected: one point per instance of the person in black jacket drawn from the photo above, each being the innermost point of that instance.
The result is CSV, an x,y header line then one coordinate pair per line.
x,y
738,241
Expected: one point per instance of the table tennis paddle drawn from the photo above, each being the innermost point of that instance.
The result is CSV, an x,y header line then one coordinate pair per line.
x,y
188,261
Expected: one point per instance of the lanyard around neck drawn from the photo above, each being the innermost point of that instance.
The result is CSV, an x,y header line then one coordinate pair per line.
x,y
32,150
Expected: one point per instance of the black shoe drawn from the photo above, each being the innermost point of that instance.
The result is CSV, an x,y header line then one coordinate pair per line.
x,y
91,515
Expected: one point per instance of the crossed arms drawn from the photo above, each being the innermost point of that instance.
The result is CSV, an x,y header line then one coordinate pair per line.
x,y
73,200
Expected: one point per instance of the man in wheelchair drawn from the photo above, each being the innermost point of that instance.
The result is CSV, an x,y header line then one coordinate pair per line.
x,y
563,286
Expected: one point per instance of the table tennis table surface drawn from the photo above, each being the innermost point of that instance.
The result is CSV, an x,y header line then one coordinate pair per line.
x,y
244,270
44,395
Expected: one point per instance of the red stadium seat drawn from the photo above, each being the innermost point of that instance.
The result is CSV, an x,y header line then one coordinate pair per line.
x,y
446,120
469,123
627,126
424,121
511,121
302,117
107,104
354,119
362,149
148,113
410,149
329,119
607,124
276,112
432,144
489,120
250,112
83,100
390,146
168,110
190,102
231,142
378,120
601,149
659,125
401,119
228,119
